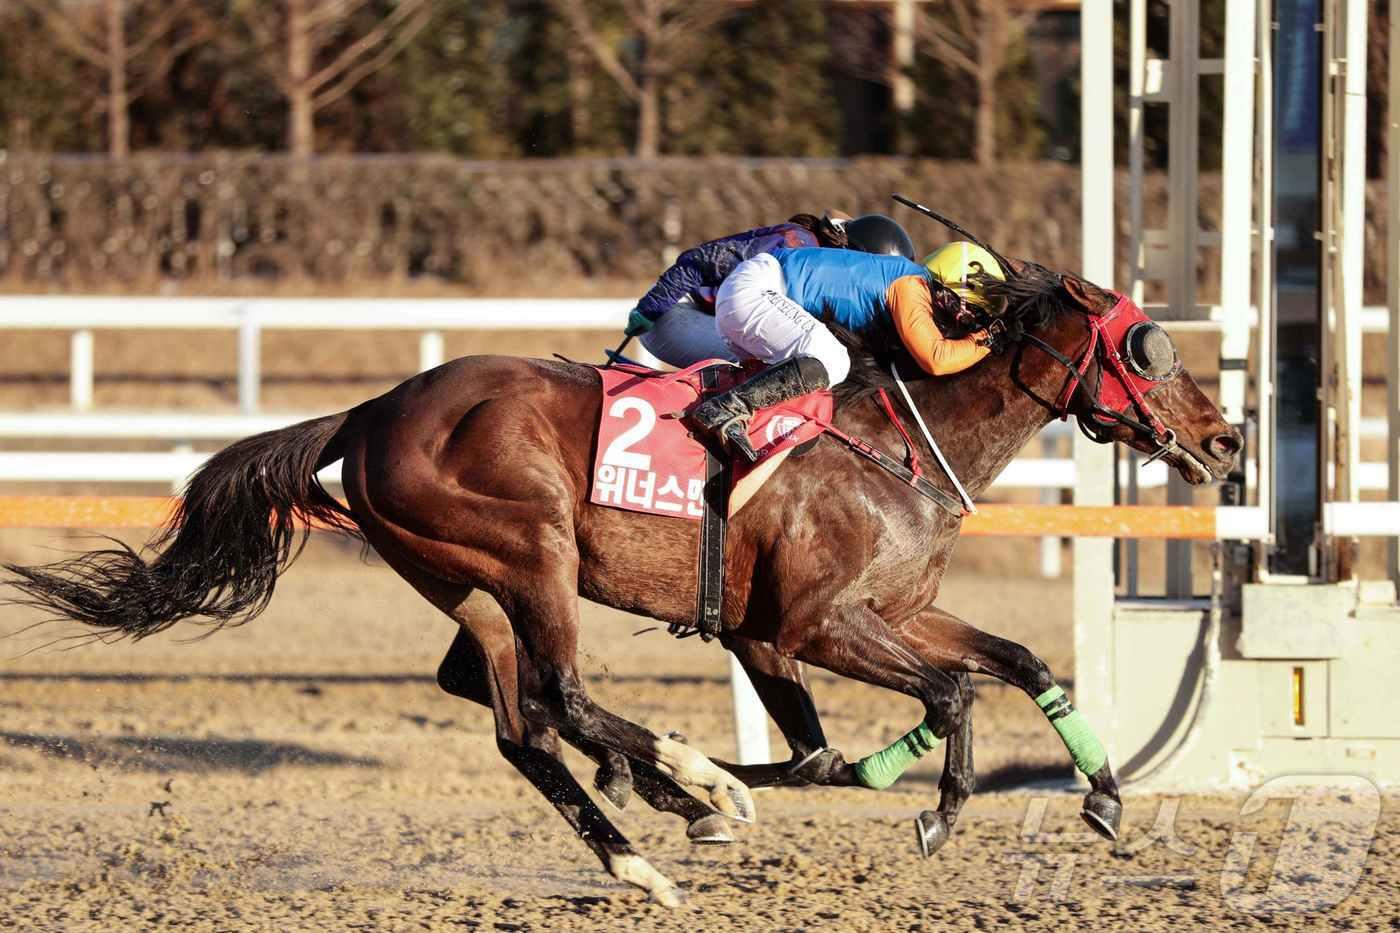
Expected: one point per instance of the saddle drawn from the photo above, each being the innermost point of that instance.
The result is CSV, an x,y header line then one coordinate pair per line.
x,y
646,459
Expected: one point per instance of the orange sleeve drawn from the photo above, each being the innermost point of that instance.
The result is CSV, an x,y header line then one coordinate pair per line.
x,y
913,317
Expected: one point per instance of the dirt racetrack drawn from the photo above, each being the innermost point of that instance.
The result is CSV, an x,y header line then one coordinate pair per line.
x,y
304,772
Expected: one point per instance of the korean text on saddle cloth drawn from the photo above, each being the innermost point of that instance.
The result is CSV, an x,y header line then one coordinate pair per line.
x,y
646,462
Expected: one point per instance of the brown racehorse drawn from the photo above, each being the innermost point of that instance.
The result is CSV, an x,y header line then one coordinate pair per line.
x,y
472,481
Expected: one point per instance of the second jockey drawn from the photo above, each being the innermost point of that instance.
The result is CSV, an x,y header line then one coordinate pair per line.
x,y
674,319
770,309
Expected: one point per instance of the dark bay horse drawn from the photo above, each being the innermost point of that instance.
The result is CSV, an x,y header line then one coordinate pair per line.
x,y
472,482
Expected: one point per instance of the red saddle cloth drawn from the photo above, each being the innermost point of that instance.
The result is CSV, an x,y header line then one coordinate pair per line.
x,y
647,462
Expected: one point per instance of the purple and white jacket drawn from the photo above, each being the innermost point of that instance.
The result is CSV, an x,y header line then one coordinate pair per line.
x,y
699,271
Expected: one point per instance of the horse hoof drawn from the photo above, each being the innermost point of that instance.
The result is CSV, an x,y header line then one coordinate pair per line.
x,y
931,829
614,788
1103,814
711,830
635,870
732,799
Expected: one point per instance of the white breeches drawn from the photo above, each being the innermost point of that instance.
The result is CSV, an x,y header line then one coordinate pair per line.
x,y
754,313
685,335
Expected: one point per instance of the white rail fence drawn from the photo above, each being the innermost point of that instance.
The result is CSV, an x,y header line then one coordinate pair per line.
x,y
82,315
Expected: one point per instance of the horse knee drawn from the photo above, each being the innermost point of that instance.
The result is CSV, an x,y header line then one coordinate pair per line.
x,y
1035,673
943,711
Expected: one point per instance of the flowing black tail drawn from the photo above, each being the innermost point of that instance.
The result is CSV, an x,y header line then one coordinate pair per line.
x,y
243,519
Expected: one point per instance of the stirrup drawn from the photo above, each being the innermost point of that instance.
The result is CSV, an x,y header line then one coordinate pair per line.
x,y
734,434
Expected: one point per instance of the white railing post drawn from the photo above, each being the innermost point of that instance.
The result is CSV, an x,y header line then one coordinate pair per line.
x,y
750,718
1050,562
431,350
80,370
249,363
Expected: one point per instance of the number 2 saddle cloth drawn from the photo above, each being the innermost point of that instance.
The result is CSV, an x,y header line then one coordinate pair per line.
x,y
646,459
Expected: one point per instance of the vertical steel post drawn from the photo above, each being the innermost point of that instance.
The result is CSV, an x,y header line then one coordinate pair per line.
x,y
1093,557
1183,223
1350,173
1392,337
1266,363
1237,200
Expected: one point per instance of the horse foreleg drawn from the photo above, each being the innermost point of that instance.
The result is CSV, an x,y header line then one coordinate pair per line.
x,y
953,644
781,685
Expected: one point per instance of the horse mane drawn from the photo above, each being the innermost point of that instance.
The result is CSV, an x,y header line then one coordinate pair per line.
x,y
1026,302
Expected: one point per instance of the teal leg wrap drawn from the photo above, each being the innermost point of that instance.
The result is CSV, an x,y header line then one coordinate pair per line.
x,y
883,768
1084,747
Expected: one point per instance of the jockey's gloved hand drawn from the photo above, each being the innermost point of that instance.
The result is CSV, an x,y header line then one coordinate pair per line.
x,y
994,338
638,323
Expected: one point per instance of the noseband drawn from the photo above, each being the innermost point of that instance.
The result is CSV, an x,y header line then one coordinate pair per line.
x,y
1138,358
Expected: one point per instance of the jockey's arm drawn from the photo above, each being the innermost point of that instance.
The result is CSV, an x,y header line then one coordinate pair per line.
x,y
683,278
912,310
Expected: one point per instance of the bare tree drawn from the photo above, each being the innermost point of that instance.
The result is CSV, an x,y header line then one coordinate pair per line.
x,y
296,41
97,33
668,35
975,37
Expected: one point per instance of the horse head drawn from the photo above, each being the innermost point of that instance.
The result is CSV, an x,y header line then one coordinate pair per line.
x,y
1114,370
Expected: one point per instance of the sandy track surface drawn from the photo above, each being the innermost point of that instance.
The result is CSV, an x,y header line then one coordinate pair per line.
x,y
304,772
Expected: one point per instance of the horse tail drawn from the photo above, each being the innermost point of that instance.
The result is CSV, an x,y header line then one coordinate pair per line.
x,y
245,516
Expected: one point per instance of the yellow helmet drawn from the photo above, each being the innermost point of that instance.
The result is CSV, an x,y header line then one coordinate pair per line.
x,y
955,262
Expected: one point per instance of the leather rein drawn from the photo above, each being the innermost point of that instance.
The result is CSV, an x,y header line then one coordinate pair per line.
x,y
1100,347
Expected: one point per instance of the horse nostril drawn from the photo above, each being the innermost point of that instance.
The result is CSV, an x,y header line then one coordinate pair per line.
x,y
1225,446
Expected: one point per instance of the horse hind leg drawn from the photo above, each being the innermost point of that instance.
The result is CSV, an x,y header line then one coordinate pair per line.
x,y
544,614
481,665
462,673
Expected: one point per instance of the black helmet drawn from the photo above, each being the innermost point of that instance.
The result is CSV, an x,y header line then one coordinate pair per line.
x,y
876,233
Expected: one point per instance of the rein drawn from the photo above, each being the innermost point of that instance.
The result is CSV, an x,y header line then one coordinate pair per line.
x,y
1100,347
912,474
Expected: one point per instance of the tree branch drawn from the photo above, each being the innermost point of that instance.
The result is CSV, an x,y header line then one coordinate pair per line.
x,y
577,16
355,75
158,29
365,44
69,33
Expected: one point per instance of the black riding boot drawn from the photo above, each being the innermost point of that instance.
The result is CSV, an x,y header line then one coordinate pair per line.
x,y
727,416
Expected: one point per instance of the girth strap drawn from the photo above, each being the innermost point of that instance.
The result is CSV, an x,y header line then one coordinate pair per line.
x,y
713,523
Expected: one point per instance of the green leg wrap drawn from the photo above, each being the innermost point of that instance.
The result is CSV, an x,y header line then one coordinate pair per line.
x,y
883,768
1084,747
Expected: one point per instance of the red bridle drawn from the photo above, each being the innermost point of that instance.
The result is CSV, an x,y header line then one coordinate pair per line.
x,y
1127,383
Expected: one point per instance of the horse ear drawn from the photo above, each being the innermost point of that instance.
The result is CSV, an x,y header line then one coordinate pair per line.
x,y
1014,267
1088,295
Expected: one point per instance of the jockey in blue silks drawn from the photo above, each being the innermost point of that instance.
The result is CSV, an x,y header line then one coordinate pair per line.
x,y
675,318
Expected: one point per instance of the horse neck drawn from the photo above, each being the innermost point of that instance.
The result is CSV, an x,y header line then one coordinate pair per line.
x,y
982,418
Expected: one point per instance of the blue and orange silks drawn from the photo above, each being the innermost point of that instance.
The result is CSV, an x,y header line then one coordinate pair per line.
x,y
698,271
857,289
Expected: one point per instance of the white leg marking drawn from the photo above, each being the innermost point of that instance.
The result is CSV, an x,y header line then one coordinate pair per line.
x,y
728,795
636,870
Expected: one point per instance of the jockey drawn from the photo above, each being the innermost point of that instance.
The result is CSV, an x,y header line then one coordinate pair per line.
x,y
673,318
769,309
